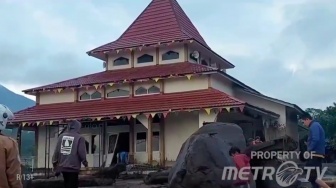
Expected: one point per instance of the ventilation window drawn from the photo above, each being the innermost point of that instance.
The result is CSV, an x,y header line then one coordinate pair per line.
x,y
141,91
145,59
85,96
170,55
120,61
153,89
96,95
118,93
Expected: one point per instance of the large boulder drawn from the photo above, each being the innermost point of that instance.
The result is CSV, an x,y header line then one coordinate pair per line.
x,y
203,156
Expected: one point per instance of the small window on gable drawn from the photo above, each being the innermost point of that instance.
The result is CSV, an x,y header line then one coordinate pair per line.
x,y
145,58
153,89
170,55
96,95
118,93
85,96
141,91
120,61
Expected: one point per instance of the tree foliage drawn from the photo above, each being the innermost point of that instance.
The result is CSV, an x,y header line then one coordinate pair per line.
x,y
327,118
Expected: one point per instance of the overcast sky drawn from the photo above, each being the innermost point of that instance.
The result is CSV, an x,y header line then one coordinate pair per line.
x,y
282,48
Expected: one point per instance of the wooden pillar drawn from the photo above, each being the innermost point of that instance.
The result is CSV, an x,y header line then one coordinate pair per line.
x,y
36,146
157,55
131,139
37,98
150,140
76,93
162,141
18,137
186,52
132,59
104,92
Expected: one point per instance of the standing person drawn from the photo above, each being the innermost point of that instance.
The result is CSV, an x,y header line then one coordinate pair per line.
x,y
241,161
316,146
70,154
10,165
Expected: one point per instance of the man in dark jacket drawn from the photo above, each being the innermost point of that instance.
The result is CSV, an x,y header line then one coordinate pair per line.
x,y
70,154
316,146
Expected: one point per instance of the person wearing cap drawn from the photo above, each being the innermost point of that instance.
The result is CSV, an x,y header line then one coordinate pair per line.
x,y
10,164
316,147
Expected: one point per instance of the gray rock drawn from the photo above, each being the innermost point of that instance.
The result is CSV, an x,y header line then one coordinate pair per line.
x,y
203,156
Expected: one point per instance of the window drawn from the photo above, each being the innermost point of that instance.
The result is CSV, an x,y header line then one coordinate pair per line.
x,y
85,96
145,58
141,91
170,55
153,89
118,93
192,57
120,61
204,62
156,141
96,95
141,142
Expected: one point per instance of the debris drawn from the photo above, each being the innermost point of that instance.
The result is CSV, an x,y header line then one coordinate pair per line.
x,y
203,156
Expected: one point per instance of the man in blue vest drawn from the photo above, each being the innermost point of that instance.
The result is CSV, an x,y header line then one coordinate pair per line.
x,y
316,146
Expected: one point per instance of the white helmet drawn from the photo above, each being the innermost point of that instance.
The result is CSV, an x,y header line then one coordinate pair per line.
x,y
5,115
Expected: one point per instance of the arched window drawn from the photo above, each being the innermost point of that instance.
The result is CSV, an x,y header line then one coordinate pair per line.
x,y
118,93
141,91
120,61
96,95
170,55
85,96
145,58
153,89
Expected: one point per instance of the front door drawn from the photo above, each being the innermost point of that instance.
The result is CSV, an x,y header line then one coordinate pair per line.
x,y
111,147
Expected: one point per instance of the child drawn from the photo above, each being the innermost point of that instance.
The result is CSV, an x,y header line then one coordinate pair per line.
x,y
241,160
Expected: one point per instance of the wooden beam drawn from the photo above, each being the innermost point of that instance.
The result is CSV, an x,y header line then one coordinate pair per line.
x,y
162,141
150,140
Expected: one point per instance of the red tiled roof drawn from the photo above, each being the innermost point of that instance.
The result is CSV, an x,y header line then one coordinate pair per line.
x,y
124,106
162,21
130,74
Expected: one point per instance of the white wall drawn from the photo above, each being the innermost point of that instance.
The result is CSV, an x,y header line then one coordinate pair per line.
x,y
50,97
178,127
125,54
222,84
182,84
269,105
